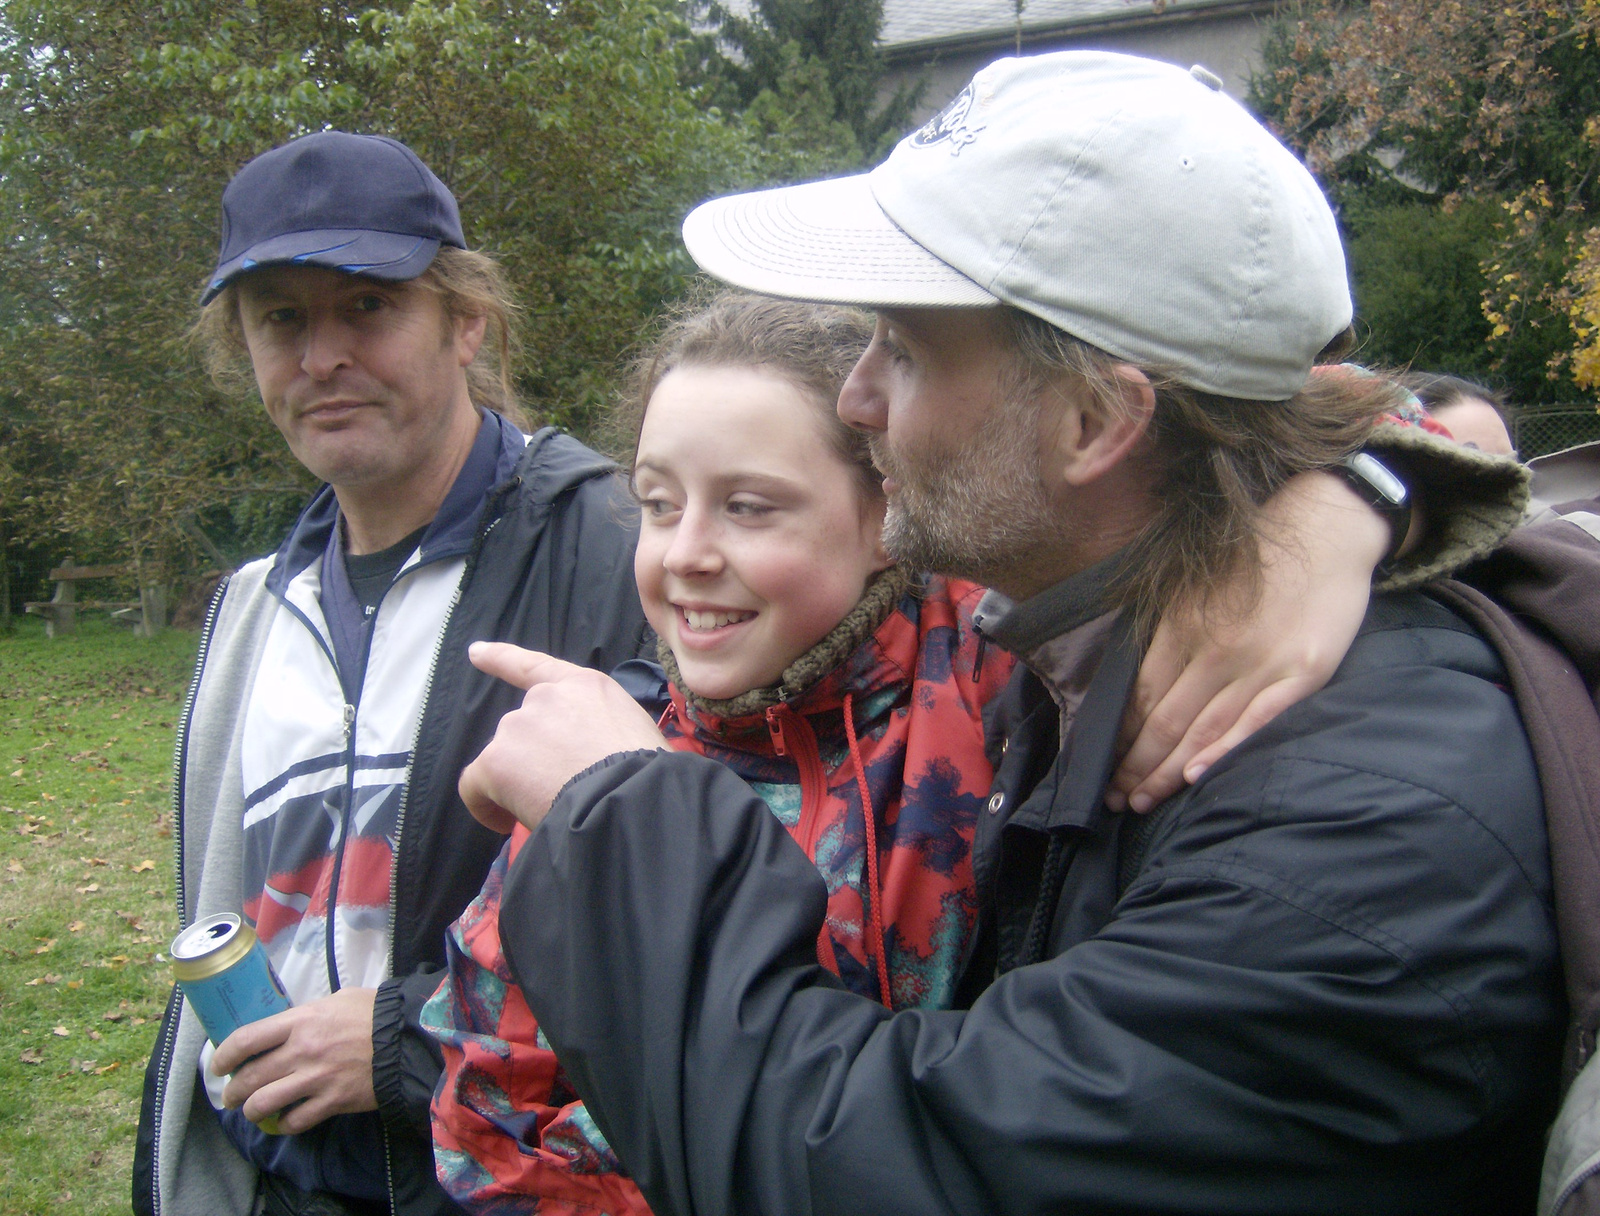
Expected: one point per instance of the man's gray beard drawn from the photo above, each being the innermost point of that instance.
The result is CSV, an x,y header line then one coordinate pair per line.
x,y
976,512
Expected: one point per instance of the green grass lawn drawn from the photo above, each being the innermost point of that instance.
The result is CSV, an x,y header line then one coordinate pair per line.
x,y
86,911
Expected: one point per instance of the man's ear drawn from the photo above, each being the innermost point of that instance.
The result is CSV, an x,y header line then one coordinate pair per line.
x,y
1094,439
469,337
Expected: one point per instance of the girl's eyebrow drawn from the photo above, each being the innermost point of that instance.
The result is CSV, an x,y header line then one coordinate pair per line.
x,y
740,478
753,479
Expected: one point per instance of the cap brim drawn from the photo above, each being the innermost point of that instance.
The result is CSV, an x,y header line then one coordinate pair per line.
x,y
380,255
826,241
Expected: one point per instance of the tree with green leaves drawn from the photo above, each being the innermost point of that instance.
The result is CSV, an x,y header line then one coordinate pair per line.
x,y
565,130
1459,140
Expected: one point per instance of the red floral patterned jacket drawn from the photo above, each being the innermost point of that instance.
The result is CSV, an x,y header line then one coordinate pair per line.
x,y
901,718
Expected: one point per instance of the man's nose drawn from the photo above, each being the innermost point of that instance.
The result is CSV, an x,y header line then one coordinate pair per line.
x,y
862,403
326,347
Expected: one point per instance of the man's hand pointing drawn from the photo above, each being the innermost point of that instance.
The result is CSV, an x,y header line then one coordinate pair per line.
x,y
571,717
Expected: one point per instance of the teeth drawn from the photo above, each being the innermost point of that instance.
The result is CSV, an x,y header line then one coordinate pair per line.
x,y
697,620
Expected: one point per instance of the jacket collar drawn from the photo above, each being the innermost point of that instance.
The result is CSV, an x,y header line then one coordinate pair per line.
x,y
1023,627
492,460
841,663
1085,654
1076,785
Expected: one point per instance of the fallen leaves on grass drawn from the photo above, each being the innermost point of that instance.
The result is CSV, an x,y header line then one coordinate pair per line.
x,y
89,890
49,945
144,865
112,1015
75,927
31,1055
94,861
15,866
61,1032
43,979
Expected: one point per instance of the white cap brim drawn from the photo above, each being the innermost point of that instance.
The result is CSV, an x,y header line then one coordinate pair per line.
x,y
827,242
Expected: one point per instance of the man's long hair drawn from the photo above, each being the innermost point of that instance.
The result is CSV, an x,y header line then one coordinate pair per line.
x,y
1215,460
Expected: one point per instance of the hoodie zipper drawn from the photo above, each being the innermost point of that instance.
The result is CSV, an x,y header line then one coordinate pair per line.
x,y
179,754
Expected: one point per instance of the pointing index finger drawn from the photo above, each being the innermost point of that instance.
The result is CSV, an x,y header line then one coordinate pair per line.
x,y
516,666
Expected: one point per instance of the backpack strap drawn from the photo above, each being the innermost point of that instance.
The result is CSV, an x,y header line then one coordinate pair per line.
x,y
1559,713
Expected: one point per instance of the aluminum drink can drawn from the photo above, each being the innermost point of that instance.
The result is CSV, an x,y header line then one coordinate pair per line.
x,y
224,971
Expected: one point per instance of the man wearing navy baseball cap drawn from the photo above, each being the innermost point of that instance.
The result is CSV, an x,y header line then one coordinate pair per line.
x,y
332,706
1323,978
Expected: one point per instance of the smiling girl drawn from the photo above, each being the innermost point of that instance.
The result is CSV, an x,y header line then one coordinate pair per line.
x,y
799,655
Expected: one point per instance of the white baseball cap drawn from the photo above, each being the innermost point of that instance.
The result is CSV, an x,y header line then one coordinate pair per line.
x,y
1126,201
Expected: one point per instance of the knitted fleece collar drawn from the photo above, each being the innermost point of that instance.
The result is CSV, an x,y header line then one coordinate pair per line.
x,y
859,624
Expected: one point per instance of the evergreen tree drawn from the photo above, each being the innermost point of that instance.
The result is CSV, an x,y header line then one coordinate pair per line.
x,y
785,48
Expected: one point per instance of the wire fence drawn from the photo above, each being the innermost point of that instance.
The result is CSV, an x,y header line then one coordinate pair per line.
x,y
1541,429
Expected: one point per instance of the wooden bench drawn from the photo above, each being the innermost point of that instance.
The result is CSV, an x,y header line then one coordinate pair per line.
x,y
147,614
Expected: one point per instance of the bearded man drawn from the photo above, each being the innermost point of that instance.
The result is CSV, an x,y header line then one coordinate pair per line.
x,y
1323,978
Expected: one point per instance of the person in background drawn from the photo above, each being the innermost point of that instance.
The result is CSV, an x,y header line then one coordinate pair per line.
x,y
1470,412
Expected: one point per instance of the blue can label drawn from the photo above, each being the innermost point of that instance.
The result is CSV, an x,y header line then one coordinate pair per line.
x,y
242,992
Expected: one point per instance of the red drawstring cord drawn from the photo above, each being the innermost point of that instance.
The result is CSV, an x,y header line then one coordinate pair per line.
x,y
874,892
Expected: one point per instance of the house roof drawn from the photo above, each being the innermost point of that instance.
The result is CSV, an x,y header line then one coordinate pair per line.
x,y
926,24
913,26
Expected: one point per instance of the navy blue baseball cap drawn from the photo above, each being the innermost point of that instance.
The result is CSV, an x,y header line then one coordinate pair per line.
x,y
363,204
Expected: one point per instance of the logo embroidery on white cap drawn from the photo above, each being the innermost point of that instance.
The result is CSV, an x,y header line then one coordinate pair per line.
x,y
950,125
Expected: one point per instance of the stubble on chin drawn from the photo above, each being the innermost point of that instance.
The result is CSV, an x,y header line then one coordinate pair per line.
x,y
978,511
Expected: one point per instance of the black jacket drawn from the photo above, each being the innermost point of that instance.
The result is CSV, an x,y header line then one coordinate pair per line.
x,y
1323,979
550,568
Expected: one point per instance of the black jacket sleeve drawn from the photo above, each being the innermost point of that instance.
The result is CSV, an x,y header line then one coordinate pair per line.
x,y
1331,989
406,1061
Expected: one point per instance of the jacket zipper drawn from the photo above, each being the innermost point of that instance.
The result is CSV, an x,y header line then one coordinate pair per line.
x,y
792,736
331,948
179,753
405,804
405,793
